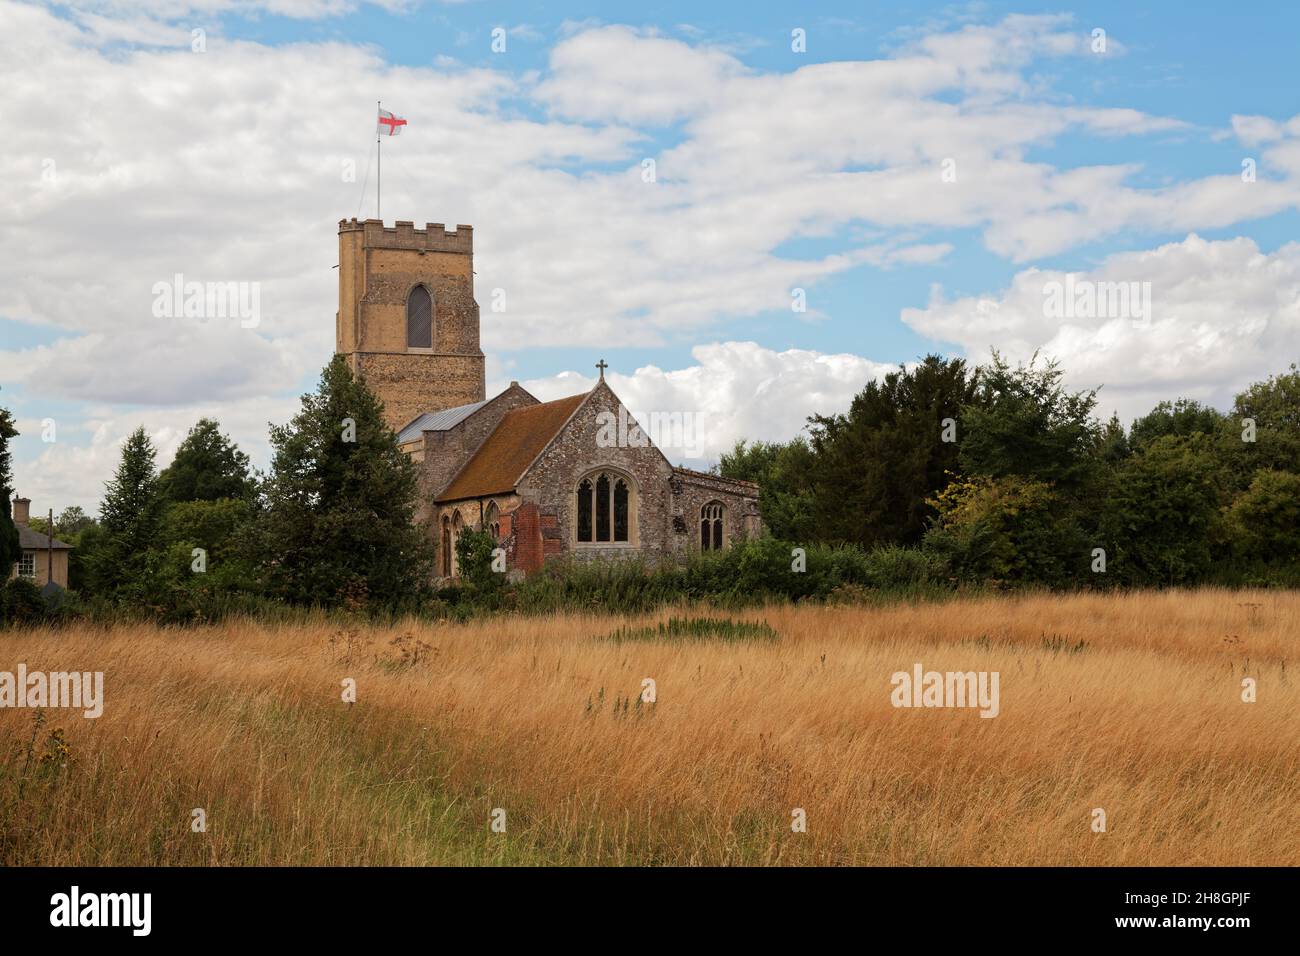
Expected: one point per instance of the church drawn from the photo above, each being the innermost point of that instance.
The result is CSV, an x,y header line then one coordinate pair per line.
x,y
548,480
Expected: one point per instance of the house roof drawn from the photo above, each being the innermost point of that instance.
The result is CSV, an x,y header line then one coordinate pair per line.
x,y
502,459
33,540
437,421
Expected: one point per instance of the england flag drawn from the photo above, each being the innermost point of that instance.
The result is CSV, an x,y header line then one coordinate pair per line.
x,y
389,124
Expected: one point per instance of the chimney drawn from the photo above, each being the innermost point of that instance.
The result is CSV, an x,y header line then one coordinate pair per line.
x,y
22,510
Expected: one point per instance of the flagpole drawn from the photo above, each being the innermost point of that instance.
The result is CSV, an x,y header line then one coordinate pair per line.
x,y
379,150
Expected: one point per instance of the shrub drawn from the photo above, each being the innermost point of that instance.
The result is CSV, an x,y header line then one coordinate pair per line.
x,y
474,559
620,586
764,566
21,603
895,568
1007,530
748,573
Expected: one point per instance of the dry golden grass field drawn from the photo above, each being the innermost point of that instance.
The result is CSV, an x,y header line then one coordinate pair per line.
x,y
1143,719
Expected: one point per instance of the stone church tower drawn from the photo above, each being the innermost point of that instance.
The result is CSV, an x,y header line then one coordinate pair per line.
x,y
407,319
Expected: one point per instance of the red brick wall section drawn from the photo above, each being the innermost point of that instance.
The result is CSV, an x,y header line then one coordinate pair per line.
x,y
552,542
527,526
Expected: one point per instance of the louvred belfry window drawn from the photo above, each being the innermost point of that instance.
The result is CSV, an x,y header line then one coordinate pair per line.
x,y
419,319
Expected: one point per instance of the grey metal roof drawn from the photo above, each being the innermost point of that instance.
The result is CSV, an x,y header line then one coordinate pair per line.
x,y
29,539
437,421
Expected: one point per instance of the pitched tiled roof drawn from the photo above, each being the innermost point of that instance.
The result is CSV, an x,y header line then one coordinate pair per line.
x,y
29,539
500,462
437,421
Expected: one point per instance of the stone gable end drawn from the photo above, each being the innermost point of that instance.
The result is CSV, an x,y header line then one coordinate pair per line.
x,y
576,451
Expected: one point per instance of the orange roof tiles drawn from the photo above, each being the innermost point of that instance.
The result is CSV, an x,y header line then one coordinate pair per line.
x,y
500,462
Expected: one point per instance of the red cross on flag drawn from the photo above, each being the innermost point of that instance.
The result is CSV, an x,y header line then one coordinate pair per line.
x,y
390,125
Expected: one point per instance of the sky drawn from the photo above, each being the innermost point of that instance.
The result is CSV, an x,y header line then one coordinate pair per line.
x,y
748,210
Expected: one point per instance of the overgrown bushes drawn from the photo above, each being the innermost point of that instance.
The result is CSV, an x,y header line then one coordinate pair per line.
x,y
21,603
750,572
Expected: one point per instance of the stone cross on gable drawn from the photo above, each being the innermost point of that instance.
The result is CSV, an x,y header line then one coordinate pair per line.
x,y
602,366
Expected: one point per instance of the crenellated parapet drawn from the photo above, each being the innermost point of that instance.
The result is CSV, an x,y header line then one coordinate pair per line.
x,y
434,237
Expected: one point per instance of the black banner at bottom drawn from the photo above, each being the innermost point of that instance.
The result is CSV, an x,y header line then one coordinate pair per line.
x,y
338,906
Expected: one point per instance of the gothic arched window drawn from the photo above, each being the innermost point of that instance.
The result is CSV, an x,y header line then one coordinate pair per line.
x,y
711,533
419,319
492,523
457,526
446,547
604,509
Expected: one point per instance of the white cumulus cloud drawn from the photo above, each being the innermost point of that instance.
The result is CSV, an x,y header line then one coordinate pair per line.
x,y
1222,314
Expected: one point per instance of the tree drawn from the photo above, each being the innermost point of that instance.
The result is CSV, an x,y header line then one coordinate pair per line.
x,y
896,447
341,501
208,467
1162,520
1272,409
72,521
783,473
9,548
1112,445
1182,417
202,553
1265,518
81,559
748,461
129,516
1023,422
69,523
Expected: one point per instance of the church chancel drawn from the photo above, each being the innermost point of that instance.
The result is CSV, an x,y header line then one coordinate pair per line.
x,y
542,477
